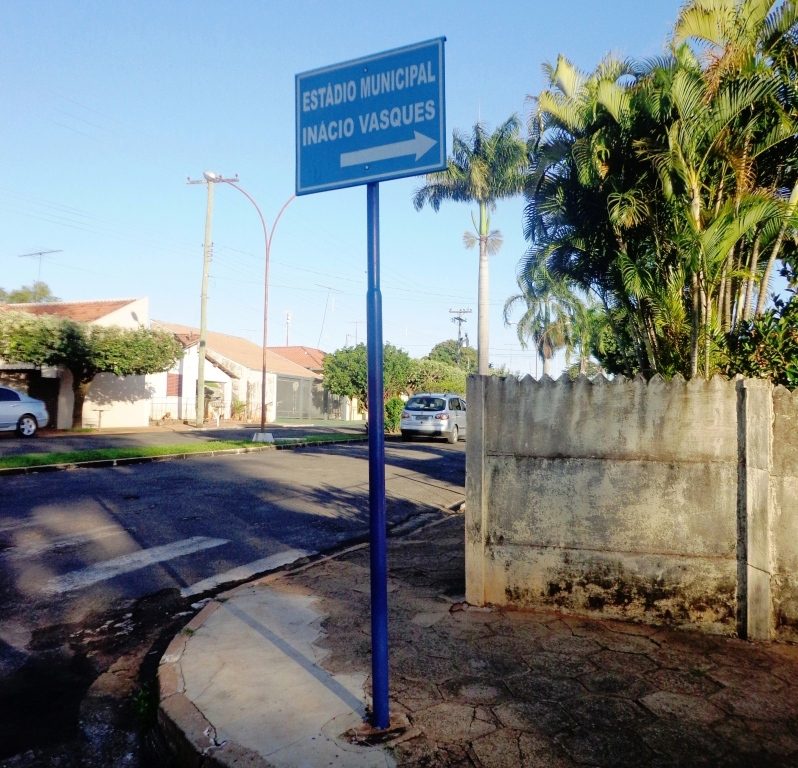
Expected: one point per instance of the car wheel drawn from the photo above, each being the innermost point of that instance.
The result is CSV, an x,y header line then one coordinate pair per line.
x,y
453,435
27,426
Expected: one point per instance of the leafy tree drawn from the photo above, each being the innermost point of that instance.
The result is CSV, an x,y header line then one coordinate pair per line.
x,y
428,375
346,372
37,293
482,169
452,352
767,346
589,369
84,350
546,301
668,188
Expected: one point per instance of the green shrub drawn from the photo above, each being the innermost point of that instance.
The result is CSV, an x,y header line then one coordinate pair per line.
x,y
767,347
238,408
393,413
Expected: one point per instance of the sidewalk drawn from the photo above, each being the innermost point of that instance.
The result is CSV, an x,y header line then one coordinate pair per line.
x,y
276,672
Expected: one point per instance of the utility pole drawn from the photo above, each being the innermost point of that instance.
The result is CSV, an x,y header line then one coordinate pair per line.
x,y
356,323
209,179
459,319
287,326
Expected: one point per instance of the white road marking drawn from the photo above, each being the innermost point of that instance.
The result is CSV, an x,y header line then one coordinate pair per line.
x,y
85,577
246,571
33,548
16,526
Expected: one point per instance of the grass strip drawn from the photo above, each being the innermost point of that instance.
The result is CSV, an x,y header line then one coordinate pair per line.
x,y
147,451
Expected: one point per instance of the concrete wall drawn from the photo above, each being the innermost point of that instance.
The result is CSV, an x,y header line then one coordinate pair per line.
x,y
629,499
784,522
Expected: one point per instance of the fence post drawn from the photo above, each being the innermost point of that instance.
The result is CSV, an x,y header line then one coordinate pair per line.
x,y
754,569
476,509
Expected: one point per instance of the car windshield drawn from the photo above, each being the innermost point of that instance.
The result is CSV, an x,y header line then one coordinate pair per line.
x,y
425,404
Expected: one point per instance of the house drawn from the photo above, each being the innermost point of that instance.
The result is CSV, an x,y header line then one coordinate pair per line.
x,y
113,401
307,357
233,378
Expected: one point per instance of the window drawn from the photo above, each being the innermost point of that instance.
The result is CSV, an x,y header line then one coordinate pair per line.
x,y
425,404
8,395
174,384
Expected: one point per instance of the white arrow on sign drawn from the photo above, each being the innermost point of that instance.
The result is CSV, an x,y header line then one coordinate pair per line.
x,y
419,145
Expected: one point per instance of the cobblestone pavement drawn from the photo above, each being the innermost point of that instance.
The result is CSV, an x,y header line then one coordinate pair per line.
x,y
498,688
259,678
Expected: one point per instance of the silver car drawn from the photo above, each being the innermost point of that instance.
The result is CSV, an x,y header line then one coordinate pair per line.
x,y
434,415
20,413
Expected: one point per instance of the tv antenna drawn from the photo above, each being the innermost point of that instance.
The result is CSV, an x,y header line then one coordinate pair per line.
x,y
38,255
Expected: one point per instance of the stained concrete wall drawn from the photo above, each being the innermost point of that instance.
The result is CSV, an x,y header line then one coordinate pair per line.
x,y
784,521
623,498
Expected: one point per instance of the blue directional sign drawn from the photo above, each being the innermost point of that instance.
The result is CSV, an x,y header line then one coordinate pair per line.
x,y
371,119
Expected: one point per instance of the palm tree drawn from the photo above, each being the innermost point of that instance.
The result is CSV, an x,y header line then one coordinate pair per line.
x,y
547,303
664,187
754,40
482,169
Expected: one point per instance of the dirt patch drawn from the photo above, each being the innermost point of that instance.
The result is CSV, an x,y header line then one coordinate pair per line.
x,y
87,695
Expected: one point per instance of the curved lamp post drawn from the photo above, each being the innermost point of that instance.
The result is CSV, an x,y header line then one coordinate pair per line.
x,y
267,238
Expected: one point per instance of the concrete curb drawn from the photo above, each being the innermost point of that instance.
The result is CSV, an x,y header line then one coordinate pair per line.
x,y
189,735
104,463
191,739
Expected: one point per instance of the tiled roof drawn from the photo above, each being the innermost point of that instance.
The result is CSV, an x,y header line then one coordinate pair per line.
x,y
239,350
308,357
80,311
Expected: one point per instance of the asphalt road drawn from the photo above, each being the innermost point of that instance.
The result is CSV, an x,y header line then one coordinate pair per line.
x,y
73,541
95,562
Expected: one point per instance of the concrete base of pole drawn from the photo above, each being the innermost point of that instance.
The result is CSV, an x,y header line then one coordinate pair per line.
x,y
263,437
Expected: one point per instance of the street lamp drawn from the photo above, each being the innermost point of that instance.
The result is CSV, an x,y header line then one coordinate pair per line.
x,y
267,238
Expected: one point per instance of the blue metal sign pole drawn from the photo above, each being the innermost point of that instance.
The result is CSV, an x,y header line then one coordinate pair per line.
x,y
359,122
379,567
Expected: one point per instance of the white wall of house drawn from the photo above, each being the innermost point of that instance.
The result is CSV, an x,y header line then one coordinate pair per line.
x,y
247,387
183,405
117,401
112,401
132,315
254,380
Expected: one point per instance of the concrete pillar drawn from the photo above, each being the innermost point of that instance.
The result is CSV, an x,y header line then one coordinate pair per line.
x,y
476,509
754,569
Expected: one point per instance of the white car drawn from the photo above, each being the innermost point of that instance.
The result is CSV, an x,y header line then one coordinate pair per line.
x,y
20,413
434,415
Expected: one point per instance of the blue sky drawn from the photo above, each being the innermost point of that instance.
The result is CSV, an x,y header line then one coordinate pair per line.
x,y
109,107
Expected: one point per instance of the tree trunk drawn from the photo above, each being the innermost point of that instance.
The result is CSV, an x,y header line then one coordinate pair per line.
x,y
695,212
748,299
763,290
696,322
80,389
483,298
